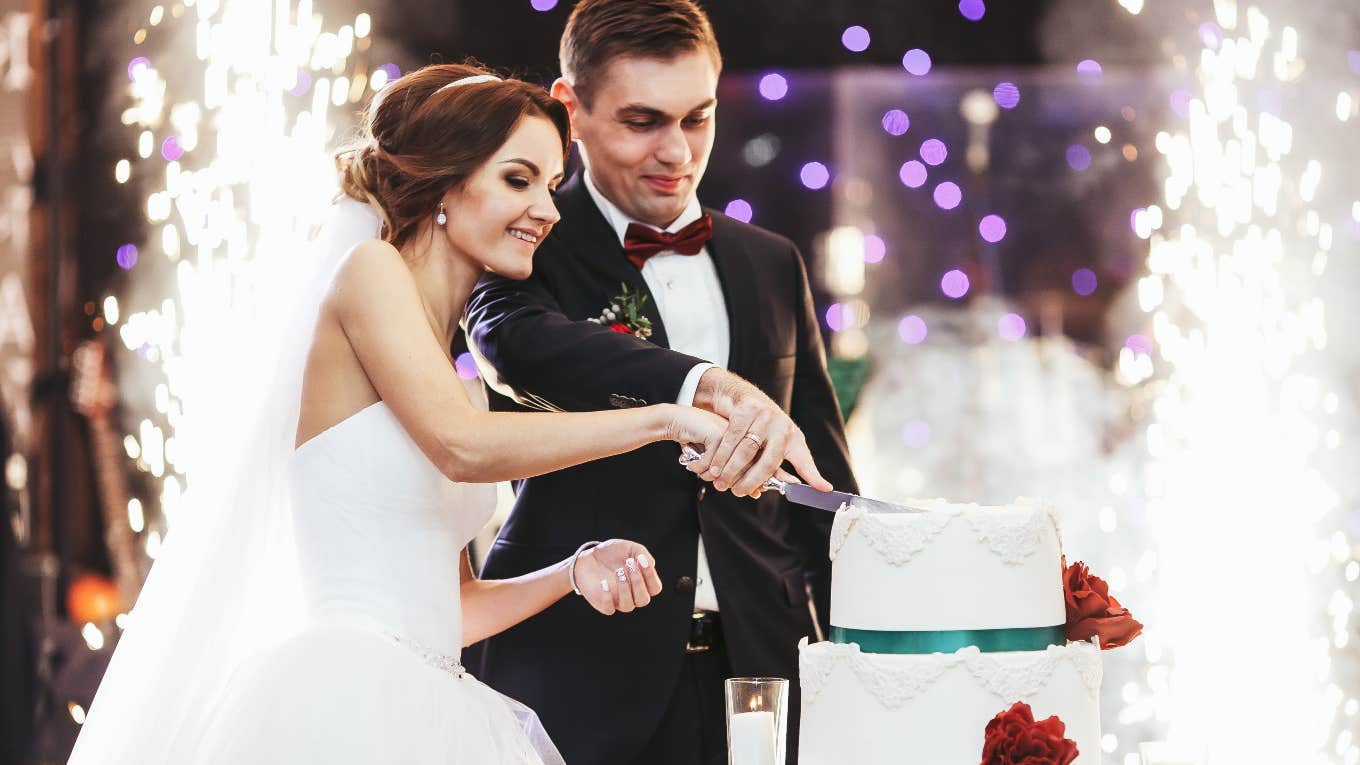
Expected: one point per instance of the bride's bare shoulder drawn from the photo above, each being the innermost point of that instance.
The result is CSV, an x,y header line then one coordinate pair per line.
x,y
372,268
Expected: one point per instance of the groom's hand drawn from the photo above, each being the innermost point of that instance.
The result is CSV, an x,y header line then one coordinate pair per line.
x,y
760,437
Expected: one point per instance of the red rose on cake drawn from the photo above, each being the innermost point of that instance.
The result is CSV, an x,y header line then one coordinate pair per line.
x,y
1014,738
1092,610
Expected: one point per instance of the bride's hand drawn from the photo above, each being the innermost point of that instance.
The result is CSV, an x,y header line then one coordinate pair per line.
x,y
617,575
689,425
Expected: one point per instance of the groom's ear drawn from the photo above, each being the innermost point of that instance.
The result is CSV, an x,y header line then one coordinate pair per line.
x,y
564,92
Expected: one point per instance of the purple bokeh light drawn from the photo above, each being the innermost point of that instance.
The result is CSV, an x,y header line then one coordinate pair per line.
x,y
1078,157
916,434
1011,326
1139,344
393,71
855,39
992,228
739,209
171,150
837,318
912,329
1006,95
543,6
1353,59
814,175
466,366
303,84
1180,102
896,122
948,195
875,249
917,62
1084,281
136,65
912,174
773,86
127,256
973,10
934,152
1089,71
954,284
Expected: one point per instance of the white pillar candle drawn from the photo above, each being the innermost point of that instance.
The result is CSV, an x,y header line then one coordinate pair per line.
x,y
752,738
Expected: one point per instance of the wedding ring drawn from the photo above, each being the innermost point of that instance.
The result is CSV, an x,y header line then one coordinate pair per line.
x,y
621,573
757,440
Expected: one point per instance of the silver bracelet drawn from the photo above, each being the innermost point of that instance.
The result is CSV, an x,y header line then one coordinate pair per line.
x,y
571,567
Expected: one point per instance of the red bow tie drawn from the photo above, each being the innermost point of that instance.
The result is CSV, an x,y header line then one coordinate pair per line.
x,y
641,242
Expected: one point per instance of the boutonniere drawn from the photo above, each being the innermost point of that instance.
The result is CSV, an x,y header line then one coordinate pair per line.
x,y
624,314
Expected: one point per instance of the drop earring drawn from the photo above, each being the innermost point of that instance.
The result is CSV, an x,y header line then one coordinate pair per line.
x,y
441,218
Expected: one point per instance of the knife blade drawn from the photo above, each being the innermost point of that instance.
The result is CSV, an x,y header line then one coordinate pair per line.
x,y
807,496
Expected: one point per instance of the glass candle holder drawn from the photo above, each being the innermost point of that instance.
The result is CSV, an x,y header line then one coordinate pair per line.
x,y
757,720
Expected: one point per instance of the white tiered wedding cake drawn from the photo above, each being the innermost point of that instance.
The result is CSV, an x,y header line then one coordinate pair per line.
x,y
941,620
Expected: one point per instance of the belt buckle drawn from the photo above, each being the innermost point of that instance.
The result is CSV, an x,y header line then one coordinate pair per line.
x,y
694,629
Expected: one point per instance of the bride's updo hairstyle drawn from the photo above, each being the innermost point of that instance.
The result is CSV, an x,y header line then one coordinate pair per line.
x,y
419,139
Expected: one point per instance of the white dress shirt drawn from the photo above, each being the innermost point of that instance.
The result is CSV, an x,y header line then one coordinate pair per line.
x,y
690,300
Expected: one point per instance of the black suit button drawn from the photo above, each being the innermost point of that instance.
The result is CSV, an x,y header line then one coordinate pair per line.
x,y
684,584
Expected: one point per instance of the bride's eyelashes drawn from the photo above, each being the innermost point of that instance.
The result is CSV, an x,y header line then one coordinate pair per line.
x,y
517,182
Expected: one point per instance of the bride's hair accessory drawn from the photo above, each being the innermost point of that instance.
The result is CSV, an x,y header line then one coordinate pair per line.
x,y
571,567
473,80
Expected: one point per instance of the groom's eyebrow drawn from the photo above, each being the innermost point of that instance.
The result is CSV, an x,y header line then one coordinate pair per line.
x,y
652,111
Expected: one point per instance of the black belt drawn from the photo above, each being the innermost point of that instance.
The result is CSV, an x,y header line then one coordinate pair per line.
x,y
705,632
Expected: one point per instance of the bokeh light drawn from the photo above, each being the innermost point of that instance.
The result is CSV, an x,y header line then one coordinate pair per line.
x,y
739,209
992,228
973,10
1084,281
954,284
1078,157
127,256
875,249
304,83
1006,95
1180,102
1139,343
896,122
1102,134
837,317
855,39
814,175
171,150
1011,326
948,195
136,66
1353,59
1089,71
466,366
774,86
917,62
934,152
916,434
542,6
912,329
913,174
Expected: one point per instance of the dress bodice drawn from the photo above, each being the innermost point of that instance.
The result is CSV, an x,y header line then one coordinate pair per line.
x,y
379,530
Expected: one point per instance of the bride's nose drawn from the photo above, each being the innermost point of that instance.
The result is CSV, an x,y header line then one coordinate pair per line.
x,y
544,212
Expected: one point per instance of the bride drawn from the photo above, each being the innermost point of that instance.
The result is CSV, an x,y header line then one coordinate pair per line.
x,y
313,608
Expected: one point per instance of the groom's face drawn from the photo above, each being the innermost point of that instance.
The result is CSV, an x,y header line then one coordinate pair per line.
x,y
647,134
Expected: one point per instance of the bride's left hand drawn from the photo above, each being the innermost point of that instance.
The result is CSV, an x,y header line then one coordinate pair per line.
x,y
617,576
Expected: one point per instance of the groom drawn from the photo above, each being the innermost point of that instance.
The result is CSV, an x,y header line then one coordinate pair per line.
x,y
687,305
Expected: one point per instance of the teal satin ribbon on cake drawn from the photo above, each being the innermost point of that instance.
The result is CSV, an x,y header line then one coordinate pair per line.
x,y
949,641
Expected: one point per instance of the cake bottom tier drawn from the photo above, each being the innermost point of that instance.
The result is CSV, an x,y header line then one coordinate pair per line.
x,y
933,709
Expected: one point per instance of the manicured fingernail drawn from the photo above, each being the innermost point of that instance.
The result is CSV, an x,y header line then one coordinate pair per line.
x,y
604,585
643,561
631,564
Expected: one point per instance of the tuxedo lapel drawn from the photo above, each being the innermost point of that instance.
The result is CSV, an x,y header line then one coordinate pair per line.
x,y
585,231
741,291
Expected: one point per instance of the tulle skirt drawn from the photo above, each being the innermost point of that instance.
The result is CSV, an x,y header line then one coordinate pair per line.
x,y
343,695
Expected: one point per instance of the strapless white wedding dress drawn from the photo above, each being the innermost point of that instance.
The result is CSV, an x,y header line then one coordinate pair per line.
x,y
374,674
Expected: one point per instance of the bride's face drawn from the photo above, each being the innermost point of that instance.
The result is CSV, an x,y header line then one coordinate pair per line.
x,y
501,213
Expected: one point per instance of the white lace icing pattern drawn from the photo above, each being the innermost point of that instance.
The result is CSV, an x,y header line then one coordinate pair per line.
x,y
899,538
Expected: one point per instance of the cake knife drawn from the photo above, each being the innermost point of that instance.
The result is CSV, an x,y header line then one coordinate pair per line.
x,y
807,496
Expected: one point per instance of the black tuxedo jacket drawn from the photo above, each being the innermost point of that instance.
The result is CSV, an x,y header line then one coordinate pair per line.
x,y
601,684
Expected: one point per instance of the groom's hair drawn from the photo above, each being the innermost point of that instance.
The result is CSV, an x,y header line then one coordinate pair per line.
x,y
600,31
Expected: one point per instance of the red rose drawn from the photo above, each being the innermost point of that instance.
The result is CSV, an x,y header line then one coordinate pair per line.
x,y
1014,738
1091,610
620,327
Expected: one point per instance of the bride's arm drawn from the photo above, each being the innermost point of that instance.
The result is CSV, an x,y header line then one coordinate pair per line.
x,y
493,605
378,305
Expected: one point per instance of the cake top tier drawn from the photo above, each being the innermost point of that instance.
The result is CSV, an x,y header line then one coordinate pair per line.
x,y
1013,532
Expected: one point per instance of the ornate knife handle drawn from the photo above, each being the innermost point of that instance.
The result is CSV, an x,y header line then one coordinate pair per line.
x,y
693,452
